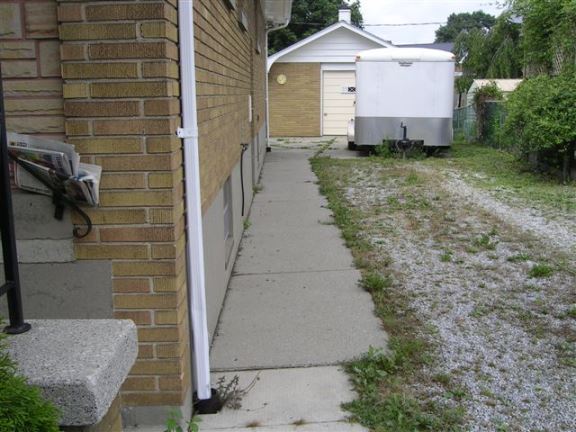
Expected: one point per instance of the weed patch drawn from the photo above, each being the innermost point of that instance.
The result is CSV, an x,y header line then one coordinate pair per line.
x,y
540,271
522,257
393,409
484,242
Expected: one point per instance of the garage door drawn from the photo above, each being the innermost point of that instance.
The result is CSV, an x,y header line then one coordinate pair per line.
x,y
339,94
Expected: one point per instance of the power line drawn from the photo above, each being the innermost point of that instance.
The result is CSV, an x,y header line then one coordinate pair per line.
x,y
374,25
404,24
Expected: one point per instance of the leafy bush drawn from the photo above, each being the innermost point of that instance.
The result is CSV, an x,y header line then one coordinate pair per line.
x,y
22,407
542,119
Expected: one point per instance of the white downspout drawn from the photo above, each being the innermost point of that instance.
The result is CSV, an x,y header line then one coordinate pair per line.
x,y
194,232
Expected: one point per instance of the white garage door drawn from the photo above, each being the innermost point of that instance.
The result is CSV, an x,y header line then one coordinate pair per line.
x,y
339,94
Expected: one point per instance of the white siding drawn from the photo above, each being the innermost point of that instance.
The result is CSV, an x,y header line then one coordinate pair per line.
x,y
339,46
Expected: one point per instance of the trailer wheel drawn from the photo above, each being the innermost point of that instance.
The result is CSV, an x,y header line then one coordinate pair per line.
x,y
352,145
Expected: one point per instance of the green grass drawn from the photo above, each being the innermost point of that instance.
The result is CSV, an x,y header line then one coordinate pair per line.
x,y
446,256
540,271
383,380
521,257
484,242
502,170
374,282
395,410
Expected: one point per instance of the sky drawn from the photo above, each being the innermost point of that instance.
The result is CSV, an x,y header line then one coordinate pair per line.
x,y
416,11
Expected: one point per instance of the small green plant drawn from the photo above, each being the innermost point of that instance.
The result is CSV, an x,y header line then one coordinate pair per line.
x,y
174,420
571,313
540,271
247,224
230,392
413,179
446,256
257,188
383,151
443,379
484,242
521,257
374,282
22,407
457,393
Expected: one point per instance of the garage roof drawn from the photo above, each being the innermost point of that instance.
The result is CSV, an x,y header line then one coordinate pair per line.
x,y
334,27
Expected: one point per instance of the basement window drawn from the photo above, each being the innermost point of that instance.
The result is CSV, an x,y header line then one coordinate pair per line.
x,y
228,219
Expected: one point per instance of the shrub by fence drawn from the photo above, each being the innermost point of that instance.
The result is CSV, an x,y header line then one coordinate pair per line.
x,y
484,130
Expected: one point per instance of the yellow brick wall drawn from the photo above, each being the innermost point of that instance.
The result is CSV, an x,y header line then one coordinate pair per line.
x,y
295,105
229,69
107,79
122,108
29,54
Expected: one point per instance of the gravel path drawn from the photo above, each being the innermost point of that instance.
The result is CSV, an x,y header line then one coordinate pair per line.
x,y
559,233
504,339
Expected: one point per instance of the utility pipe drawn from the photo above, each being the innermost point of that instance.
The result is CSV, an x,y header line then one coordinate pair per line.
x,y
194,232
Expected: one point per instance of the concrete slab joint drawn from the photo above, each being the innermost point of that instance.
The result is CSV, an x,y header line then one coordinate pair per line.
x,y
79,365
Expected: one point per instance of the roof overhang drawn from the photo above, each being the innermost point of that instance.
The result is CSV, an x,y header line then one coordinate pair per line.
x,y
341,24
277,13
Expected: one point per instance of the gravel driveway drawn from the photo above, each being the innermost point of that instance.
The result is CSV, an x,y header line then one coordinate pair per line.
x,y
492,284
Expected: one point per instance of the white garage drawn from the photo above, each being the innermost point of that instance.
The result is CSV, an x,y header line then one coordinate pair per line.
x,y
312,83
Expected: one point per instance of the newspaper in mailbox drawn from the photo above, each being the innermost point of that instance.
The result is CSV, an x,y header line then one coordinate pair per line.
x,y
58,164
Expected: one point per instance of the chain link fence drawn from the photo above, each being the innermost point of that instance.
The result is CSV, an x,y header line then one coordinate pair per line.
x,y
484,129
464,123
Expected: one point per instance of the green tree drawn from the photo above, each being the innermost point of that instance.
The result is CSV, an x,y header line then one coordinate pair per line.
x,y
494,53
308,17
548,34
464,22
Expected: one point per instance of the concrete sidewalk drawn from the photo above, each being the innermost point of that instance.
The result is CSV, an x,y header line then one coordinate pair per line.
x,y
294,310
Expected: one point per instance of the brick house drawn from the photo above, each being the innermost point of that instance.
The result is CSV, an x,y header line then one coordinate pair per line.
x,y
312,82
113,79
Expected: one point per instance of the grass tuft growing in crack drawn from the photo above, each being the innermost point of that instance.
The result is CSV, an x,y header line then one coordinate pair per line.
x,y
383,379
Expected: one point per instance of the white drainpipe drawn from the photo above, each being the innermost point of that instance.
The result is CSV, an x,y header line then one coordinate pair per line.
x,y
194,233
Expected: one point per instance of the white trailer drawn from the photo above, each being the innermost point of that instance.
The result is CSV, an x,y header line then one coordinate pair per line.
x,y
404,96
